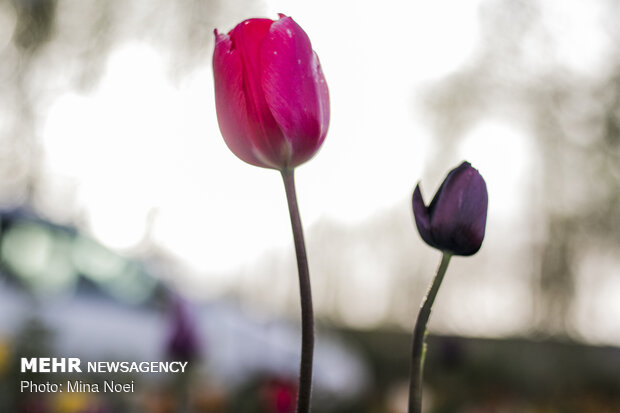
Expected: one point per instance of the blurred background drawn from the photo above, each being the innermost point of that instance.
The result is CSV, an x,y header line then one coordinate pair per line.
x,y
128,231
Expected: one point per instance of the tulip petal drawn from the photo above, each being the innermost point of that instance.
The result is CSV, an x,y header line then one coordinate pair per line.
x,y
458,211
231,104
266,135
473,215
446,205
295,88
323,94
422,217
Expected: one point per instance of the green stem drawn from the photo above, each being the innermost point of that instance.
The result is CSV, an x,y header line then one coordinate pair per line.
x,y
305,292
418,351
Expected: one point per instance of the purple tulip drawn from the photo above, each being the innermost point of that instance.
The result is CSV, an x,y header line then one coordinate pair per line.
x,y
183,342
455,220
270,94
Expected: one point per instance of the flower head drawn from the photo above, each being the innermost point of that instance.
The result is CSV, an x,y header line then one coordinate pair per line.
x,y
455,220
271,97
183,342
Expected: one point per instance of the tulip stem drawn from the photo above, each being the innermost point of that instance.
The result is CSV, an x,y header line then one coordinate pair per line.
x,y
307,316
418,351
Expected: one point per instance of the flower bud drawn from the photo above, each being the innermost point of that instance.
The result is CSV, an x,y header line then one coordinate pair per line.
x,y
455,220
271,97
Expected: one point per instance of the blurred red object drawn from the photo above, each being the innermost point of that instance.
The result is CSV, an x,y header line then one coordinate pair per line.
x,y
279,396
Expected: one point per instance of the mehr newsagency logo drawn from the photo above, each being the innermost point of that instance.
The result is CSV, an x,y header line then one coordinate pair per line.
x,y
74,365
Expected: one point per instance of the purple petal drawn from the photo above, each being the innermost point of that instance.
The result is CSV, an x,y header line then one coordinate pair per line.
x,y
472,215
447,201
458,211
422,218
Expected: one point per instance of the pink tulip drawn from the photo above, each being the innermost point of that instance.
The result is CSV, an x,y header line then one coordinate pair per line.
x,y
271,97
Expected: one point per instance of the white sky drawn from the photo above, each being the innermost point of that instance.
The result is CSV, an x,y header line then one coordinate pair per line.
x,y
139,144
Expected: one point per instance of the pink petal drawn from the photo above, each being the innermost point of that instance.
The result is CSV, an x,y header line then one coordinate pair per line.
x,y
266,135
295,88
230,101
